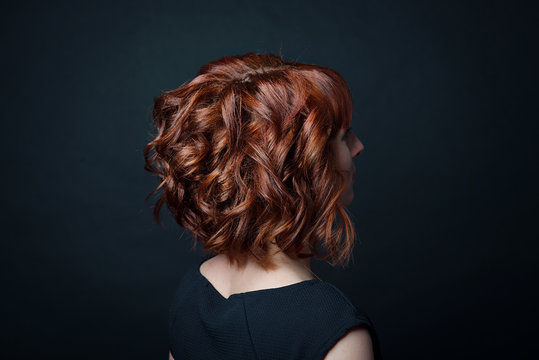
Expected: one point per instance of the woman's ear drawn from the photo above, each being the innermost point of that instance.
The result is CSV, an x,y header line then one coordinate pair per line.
x,y
329,131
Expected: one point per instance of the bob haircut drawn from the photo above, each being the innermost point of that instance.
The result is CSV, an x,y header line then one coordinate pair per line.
x,y
244,158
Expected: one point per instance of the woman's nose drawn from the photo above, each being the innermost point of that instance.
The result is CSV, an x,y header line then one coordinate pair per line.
x,y
359,148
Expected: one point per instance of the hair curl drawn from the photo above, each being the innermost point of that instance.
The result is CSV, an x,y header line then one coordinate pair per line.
x,y
243,153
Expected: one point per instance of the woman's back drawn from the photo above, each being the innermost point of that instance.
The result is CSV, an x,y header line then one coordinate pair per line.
x,y
301,320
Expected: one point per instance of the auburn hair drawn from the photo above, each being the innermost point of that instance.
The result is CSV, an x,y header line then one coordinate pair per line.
x,y
244,158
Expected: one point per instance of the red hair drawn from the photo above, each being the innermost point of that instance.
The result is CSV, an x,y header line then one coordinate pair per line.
x,y
244,158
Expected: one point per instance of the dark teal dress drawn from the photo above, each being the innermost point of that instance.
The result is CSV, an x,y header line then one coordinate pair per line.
x,y
299,321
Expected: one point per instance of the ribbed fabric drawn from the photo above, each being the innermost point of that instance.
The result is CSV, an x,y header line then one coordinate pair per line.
x,y
299,321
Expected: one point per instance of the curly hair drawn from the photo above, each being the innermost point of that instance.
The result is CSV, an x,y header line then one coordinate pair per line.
x,y
244,158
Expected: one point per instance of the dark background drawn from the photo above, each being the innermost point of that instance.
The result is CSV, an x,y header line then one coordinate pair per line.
x,y
445,102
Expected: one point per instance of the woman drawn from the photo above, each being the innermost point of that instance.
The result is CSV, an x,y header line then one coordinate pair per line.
x,y
255,160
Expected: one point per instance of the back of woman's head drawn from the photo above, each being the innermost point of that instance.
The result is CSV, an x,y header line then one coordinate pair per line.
x,y
244,158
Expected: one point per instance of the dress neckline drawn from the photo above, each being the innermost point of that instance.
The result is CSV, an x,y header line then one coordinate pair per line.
x,y
253,292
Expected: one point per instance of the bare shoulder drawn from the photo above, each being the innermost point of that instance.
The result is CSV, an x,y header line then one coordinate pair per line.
x,y
356,344
170,356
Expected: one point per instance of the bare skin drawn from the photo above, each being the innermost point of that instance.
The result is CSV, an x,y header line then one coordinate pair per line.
x,y
346,146
356,344
228,279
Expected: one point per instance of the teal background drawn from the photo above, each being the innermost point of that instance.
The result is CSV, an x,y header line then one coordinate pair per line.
x,y
445,201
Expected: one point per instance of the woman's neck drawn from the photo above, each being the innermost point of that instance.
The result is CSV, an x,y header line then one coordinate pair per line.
x,y
286,267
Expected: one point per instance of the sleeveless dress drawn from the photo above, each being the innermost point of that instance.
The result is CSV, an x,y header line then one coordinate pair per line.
x,y
298,321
